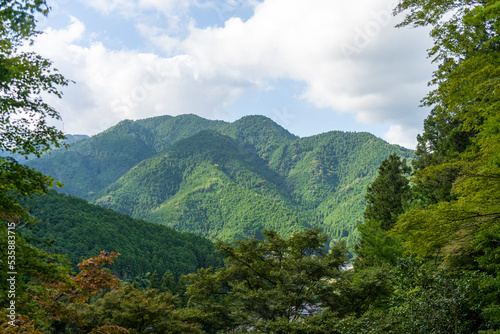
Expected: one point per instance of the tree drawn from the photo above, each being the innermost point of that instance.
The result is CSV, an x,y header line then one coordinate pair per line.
x,y
18,180
387,198
48,294
35,268
154,281
168,282
24,130
138,311
54,300
24,116
441,141
23,76
91,279
467,96
457,222
430,300
267,282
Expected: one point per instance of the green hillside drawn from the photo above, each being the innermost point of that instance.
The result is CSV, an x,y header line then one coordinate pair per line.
x,y
224,180
78,229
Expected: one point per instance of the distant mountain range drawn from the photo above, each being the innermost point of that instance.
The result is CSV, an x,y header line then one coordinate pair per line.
x,y
224,180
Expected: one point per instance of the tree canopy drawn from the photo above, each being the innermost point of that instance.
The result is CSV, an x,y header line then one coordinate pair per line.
x,y
460,154
278,285
450,229
23,76
24,116
24,130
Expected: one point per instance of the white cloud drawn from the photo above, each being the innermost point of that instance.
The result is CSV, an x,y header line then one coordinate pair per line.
x,y
114,85
400,136
296,38
348,54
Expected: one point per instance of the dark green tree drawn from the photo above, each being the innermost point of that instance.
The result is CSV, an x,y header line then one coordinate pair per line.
x,y
387,197
154,281
430,300
139,311
442,140
267,282
168,282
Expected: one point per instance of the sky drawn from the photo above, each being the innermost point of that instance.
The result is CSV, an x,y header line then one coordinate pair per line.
x,y
310,65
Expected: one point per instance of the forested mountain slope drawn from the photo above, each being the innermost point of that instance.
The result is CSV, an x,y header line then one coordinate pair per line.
x,y
224,180
78,229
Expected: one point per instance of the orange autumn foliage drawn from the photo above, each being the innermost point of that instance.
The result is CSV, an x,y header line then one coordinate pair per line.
x,y
91,279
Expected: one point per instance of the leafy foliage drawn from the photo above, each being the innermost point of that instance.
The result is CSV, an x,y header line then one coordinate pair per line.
x,y
466,47
292,285
448,280
23,113
268,285
137,311
91,279
18,181
23,75
388,195
434,300
63,305
34,268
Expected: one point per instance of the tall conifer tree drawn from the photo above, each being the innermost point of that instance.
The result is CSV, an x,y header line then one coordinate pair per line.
x,y
387,197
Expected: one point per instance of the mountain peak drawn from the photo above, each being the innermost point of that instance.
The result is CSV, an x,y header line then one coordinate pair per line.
x,y
262,122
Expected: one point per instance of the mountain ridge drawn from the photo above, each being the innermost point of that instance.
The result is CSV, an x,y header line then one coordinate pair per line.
x,y
225,180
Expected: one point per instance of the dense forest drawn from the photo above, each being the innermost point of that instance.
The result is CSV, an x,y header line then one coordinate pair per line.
x,y
224,180
428,259
69,225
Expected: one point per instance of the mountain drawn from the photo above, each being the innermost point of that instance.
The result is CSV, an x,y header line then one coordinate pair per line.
x,y
209,184
75,228
224,180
